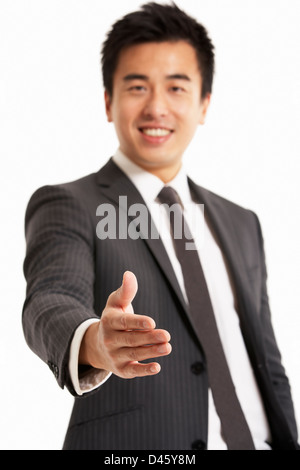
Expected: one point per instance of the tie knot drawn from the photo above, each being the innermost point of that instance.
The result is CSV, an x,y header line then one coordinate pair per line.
x,y
169,196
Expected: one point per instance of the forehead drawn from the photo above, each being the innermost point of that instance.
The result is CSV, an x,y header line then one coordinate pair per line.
x,y
158,58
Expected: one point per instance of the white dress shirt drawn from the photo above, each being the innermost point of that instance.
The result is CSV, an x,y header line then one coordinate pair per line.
x,y
222,298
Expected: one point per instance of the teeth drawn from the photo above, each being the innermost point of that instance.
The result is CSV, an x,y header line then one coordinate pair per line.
x,y
156,132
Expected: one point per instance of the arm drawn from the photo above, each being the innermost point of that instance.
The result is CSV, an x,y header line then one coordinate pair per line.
x,y
59,269
279,379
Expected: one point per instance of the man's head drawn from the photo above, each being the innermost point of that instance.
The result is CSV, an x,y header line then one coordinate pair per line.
x,y
157,23
157,67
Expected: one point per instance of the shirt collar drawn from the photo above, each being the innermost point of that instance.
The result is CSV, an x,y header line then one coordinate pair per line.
x,y
150,185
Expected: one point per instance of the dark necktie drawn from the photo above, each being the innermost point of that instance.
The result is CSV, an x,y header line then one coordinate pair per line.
x,y
235,429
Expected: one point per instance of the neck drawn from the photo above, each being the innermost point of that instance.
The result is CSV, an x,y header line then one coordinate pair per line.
x,y
165,174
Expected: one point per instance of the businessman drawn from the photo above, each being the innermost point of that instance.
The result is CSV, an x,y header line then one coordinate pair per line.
x,y
164,340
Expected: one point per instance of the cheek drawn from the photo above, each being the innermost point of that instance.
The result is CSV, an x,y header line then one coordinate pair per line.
x,y
127,118
186,109
124,119
188,117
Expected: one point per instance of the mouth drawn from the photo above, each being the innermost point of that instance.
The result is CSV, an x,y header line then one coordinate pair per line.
x,y
155,135
155,131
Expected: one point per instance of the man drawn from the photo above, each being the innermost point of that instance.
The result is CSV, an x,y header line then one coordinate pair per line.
x,y
89,257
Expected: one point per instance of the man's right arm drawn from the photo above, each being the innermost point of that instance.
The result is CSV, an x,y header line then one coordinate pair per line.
x,y
59,269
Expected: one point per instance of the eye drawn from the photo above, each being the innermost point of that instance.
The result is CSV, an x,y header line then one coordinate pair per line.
x,y
177,89
137,89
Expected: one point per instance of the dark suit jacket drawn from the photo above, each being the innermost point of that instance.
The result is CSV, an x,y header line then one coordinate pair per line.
x,y
70,273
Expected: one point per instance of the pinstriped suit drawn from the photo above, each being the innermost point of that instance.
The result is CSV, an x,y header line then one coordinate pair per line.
x,y
70,273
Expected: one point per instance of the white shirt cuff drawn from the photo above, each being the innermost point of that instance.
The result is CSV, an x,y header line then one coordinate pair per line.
x,y
94,377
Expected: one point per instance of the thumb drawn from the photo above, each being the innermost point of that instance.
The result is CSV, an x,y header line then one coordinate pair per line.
x,y
123,296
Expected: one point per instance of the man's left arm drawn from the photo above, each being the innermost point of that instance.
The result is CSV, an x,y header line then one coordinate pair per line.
x,y
274,361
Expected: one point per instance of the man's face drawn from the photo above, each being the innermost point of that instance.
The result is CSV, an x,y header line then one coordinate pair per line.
x,y
156,104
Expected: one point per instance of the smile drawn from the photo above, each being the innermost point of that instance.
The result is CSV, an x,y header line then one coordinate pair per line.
x,y
156,132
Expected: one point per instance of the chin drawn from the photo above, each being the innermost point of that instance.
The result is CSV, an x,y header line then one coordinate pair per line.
x,y
155,161
156,156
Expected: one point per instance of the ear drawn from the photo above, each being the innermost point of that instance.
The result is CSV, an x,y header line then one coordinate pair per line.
x,y
204,108
108,106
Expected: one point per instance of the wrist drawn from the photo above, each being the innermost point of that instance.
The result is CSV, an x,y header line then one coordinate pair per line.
x,y
89,347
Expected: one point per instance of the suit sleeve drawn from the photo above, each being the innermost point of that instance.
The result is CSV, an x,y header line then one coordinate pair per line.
x,y
59,270
273,356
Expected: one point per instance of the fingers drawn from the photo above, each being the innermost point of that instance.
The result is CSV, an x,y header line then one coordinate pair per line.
x,y
129,365
133,347
133,339
136,369
143,353
136,345
123,350
127,321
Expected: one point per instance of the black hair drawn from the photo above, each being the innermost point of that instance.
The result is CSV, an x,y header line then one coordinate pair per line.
x,y
157,23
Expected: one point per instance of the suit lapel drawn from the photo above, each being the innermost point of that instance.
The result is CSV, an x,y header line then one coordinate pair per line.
x,y
226,235
223,230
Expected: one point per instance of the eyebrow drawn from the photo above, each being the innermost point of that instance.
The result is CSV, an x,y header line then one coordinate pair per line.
x,y
179,76
137,76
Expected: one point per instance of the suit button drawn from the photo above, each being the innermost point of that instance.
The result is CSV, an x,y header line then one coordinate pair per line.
x,y
199,445
197,368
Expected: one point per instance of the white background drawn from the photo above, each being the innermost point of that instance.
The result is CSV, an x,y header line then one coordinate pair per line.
x,y
53,129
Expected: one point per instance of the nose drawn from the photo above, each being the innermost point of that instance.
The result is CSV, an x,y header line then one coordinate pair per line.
x,y
156,105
